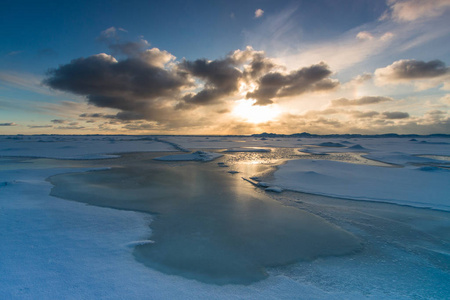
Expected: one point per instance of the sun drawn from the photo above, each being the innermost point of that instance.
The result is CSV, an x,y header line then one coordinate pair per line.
x,y
254,113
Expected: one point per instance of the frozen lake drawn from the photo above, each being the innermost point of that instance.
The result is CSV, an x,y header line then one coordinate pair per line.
x,y
197,229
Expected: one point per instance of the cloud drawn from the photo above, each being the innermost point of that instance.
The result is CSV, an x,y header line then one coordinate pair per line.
x,y
410,10
395,115
150,84
24,81
109,33
129,48
8,124
58,121
361,101
412,69
221,79
40,126
342,52
95,115
423,75
277,85
70,127
365,35
136,84
364,114
259,13
435,115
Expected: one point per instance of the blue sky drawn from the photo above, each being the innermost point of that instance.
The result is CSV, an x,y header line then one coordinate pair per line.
x,y
192,66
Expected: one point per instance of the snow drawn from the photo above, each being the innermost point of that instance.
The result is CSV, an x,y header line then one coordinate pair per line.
x,y
79,147
197,156
274,189
400,158
408,185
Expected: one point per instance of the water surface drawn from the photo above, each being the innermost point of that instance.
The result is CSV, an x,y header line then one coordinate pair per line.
x,y
209,225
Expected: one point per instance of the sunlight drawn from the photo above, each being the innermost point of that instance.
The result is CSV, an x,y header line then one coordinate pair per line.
x,y
255,113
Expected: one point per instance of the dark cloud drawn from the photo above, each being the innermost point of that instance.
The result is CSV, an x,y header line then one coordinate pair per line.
x,y
70,127
408,69
139,127
40,126
276,84
58,121
259,66
137,85
8,124
364,114
395,115
361,101
94,115
221,79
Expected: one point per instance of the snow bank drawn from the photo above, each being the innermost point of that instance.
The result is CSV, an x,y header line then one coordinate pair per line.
x,y
400,158
197,156
409,185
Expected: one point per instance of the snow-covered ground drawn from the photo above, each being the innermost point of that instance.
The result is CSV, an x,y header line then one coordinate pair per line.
x,y
57,249
78,147
412,185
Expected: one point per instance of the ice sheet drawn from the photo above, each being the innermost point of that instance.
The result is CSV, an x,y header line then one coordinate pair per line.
x,y
418,186
78,147
196,156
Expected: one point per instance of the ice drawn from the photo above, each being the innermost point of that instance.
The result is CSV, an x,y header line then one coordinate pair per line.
x,y
196,156
79,147
408,185
274,189
330,144
247,150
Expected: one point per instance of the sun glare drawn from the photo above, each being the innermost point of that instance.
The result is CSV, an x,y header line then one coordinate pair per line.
x,y
255,113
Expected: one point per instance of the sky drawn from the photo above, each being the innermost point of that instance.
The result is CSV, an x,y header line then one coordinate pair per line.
x,y
225,67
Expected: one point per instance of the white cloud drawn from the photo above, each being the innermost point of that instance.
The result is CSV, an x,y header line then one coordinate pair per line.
x,y
109,32
410,10
259,13
364,35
